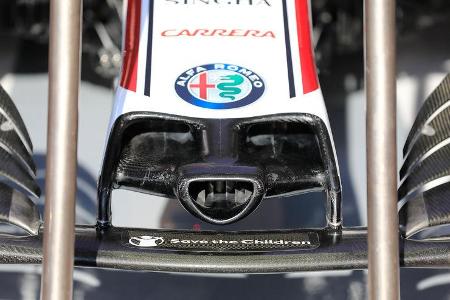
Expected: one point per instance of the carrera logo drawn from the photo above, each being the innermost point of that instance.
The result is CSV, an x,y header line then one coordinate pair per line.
x,y
224,2
218,33
219,86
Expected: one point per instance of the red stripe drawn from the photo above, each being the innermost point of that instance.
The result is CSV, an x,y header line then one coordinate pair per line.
x,y
309,76
131,46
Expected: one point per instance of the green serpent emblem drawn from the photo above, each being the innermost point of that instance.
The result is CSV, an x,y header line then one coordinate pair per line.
x,y
229,87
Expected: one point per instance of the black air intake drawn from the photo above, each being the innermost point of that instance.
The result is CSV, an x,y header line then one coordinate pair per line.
x,y
220,194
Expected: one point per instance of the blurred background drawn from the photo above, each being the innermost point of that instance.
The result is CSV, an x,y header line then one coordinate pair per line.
x,y
423,47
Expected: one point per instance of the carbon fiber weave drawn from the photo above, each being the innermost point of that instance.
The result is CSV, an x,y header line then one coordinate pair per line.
x,y
427,140
5,200
11,112
13,171
148,165
27,250
439,96
433,167
437,205
11,142
432,208
17,209
101,249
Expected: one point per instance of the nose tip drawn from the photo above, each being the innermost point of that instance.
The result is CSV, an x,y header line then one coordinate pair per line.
x,y
221,200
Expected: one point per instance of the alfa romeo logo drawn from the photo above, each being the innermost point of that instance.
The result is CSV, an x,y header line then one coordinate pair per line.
x,y
219,86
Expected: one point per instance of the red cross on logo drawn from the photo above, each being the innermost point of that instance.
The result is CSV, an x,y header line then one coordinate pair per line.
x,y
202,85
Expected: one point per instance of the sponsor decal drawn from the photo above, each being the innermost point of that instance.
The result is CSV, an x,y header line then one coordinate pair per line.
x,y
229,242
219,86
242,242
218,33
146,241
224,2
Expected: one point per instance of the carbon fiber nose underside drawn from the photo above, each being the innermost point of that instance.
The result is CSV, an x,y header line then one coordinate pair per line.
x,y
164,154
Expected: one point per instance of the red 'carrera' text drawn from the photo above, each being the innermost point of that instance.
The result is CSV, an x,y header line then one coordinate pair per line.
x,y
218,32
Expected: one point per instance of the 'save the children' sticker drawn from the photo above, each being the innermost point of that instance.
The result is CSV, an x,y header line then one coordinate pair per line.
x,y
223,242
219,86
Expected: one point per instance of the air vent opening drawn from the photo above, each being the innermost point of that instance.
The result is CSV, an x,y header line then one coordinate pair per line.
x,y
289,152
221,199
159,136
293,141
150,152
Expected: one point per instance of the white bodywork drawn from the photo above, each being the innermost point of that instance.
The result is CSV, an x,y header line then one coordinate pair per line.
x,y
249,34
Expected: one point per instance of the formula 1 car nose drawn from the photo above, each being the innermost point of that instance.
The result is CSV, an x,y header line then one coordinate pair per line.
x,y
220,130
